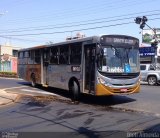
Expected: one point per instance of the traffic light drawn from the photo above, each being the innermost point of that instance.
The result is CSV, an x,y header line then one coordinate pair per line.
x,y
138,20
142,21
142,25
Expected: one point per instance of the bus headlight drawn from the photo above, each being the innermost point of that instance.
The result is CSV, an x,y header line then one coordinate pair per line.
x,y
101,80
104,82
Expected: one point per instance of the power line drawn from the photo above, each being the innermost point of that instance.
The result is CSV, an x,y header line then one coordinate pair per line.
x,y
67,26
82,29
19,39
81,24
91,28
70,30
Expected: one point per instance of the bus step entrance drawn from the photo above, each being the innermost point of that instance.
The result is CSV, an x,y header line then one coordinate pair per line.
x,y
44,85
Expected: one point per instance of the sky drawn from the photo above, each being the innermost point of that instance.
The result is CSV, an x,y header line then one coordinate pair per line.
x,y
27,23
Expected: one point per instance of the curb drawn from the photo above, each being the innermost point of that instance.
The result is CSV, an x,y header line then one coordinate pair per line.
x,y
10,78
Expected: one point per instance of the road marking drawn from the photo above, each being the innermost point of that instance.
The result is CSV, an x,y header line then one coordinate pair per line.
x,y
22,90
14,88
27,90
40,92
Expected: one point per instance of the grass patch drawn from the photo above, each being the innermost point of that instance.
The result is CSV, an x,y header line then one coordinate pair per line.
x,y
9,74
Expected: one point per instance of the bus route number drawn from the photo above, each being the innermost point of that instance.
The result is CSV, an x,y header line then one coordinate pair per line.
x,y
76,68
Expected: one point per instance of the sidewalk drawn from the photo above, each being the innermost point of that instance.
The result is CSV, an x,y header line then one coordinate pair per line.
x,y
7,98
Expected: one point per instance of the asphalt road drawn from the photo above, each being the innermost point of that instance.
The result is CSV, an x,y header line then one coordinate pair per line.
x,y
41,111
147,101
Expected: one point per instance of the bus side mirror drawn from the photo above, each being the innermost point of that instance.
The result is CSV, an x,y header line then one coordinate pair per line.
x,y
99,58
100,51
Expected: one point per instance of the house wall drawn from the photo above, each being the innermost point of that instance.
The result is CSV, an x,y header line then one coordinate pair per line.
x,y
8,63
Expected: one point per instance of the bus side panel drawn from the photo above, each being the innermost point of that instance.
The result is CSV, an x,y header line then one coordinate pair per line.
x,y
53,75
22,68
33,69
21,71
25,71
59,76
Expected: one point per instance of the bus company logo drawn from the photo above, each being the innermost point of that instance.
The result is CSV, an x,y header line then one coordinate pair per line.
x,y
123,83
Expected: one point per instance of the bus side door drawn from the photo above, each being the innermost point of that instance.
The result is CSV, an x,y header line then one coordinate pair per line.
x,y
46,54
89,67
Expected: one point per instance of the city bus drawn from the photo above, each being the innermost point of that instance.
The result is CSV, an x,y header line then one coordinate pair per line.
x,y
98,65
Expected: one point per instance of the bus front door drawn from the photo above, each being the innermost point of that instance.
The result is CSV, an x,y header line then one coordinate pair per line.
x,y
89,68
45,66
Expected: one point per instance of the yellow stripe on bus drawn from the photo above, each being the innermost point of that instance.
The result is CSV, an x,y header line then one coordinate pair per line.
x,y
104,90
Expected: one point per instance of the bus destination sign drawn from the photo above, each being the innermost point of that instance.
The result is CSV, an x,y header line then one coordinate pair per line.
x,y
118,40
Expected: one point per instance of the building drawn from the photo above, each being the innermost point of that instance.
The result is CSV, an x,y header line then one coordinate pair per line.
x,y
147,52
8,58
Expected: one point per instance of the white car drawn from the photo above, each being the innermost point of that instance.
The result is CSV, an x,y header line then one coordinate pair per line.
x,y
150,73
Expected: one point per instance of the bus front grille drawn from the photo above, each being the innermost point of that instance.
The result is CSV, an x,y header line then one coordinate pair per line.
x,y
123,84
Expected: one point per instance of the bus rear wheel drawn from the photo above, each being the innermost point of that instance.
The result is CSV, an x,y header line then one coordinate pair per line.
x,y
75,91
33,80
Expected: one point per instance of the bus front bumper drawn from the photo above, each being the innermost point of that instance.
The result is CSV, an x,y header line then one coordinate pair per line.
x,y
105,90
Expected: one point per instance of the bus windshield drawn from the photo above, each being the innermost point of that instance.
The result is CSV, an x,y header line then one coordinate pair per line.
x,y
119,60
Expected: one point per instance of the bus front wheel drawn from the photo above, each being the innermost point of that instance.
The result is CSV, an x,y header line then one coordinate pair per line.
x,y
75,91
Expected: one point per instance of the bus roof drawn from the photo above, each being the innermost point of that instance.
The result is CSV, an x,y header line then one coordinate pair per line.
x,y
79,40
94,39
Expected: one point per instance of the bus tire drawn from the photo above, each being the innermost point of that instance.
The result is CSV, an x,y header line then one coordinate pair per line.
x,y
152,80
33,80
75,91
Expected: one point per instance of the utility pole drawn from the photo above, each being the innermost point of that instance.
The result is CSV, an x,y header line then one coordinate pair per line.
x,y
142,22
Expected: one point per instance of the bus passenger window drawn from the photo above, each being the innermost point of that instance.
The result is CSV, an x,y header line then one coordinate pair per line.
x,y
18,54
64,54
21,55
75,54
32,55
54,55
37,56
26,54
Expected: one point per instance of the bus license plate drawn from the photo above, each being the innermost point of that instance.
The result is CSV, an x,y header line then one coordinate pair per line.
x,y
123,90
